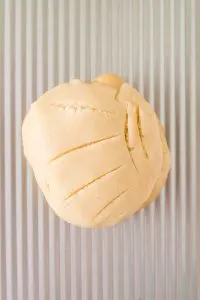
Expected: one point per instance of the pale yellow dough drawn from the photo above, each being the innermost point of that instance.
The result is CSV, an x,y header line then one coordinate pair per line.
x,y
98,150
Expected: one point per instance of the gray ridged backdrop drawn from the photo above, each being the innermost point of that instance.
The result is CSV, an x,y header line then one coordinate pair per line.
x,y
154,45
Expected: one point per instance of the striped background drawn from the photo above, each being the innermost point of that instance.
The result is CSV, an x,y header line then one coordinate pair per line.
x,y
154,45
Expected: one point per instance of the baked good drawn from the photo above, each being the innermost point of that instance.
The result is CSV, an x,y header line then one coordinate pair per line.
x,y
98,150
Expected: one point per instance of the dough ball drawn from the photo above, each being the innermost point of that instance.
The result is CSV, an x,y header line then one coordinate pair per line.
x,y
98,150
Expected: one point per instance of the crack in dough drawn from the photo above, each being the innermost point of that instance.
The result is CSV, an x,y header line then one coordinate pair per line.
x,y
78,108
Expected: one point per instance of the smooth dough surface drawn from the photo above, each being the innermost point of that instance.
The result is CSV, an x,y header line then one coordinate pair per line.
x,y
98,150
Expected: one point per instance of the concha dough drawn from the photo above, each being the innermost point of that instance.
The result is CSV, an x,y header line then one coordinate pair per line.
x,y
98,150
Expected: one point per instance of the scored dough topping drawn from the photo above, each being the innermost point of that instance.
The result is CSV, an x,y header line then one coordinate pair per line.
x,y
97,150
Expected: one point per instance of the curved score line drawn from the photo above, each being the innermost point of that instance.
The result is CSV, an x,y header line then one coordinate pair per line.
x,y
90,182
82,146
140,132
111,202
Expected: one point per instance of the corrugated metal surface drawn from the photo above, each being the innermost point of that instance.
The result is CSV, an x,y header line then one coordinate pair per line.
x,y
154,45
